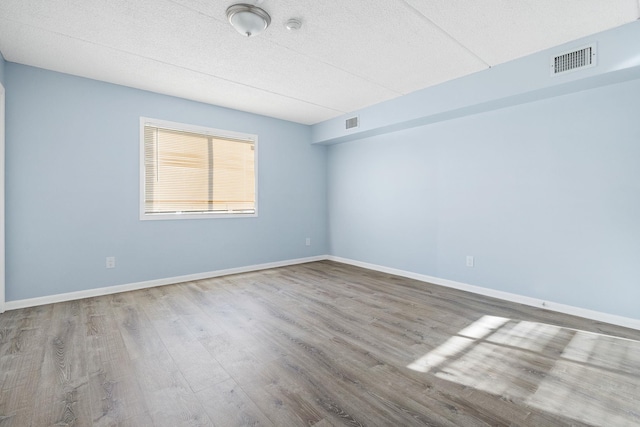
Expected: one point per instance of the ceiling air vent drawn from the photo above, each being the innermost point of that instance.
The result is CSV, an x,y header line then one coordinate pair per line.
x,y
351,123
575,60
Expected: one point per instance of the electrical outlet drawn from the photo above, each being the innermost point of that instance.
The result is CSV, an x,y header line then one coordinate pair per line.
x,y
469,260
111,262
308,241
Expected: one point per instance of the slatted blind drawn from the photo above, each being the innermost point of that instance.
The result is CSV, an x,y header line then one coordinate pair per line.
x,y
188,172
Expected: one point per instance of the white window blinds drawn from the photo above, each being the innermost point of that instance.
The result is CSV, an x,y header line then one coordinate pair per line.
x,y
190,172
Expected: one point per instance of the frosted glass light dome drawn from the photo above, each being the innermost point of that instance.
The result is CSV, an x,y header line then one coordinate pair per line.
x,y
247,19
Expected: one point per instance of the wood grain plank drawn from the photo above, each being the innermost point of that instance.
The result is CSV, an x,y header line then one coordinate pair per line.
x,y
194,361
138,334
115,394
63,392
106,350
115,401
228,404
21,355
322,344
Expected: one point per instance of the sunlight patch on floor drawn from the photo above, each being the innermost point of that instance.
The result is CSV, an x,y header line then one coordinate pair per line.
x,y
458,343
545,366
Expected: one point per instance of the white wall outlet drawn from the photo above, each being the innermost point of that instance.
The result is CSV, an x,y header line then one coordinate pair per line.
x,y
469,260
111,262
307,241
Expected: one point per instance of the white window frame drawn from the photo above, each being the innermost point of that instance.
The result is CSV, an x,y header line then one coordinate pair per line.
x,y
201,130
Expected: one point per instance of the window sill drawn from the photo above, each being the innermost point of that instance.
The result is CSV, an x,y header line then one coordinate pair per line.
x,y
189,216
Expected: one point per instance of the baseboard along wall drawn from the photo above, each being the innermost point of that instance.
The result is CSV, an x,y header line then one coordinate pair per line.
x,y
506,296
89,293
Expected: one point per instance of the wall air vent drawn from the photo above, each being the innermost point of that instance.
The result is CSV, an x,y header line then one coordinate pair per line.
x,y
575,60
351,123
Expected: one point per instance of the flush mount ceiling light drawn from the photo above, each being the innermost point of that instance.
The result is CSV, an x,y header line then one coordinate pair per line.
x,y
247,19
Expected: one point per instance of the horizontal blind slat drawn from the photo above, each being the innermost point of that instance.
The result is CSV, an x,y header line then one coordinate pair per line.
x,y
181,178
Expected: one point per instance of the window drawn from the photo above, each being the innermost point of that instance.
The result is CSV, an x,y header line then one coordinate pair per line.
x,y
195,172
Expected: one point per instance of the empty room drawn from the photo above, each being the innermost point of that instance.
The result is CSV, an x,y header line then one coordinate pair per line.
x,y
319,213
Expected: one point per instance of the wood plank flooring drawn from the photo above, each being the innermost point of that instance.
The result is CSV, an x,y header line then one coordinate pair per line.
x,y
320,344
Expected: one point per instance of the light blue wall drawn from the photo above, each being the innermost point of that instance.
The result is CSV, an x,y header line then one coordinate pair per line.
x,y
72,180
545,195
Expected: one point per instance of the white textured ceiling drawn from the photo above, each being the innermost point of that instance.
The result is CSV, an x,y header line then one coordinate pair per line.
x,y
349,54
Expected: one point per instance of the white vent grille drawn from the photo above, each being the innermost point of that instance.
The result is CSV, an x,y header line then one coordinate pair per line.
x,y
575,60
351,123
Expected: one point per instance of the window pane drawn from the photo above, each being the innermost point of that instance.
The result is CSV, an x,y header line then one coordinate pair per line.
x,y
182,172
233,175
198,173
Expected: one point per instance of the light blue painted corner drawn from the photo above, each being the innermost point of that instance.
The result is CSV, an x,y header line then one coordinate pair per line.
x,y
72,184
535,176
545,196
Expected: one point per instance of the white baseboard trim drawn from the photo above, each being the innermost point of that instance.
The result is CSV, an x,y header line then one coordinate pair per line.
x,y
507,296
70,296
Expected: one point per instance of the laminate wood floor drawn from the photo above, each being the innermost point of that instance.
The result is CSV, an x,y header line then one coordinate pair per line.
x,y
322,344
